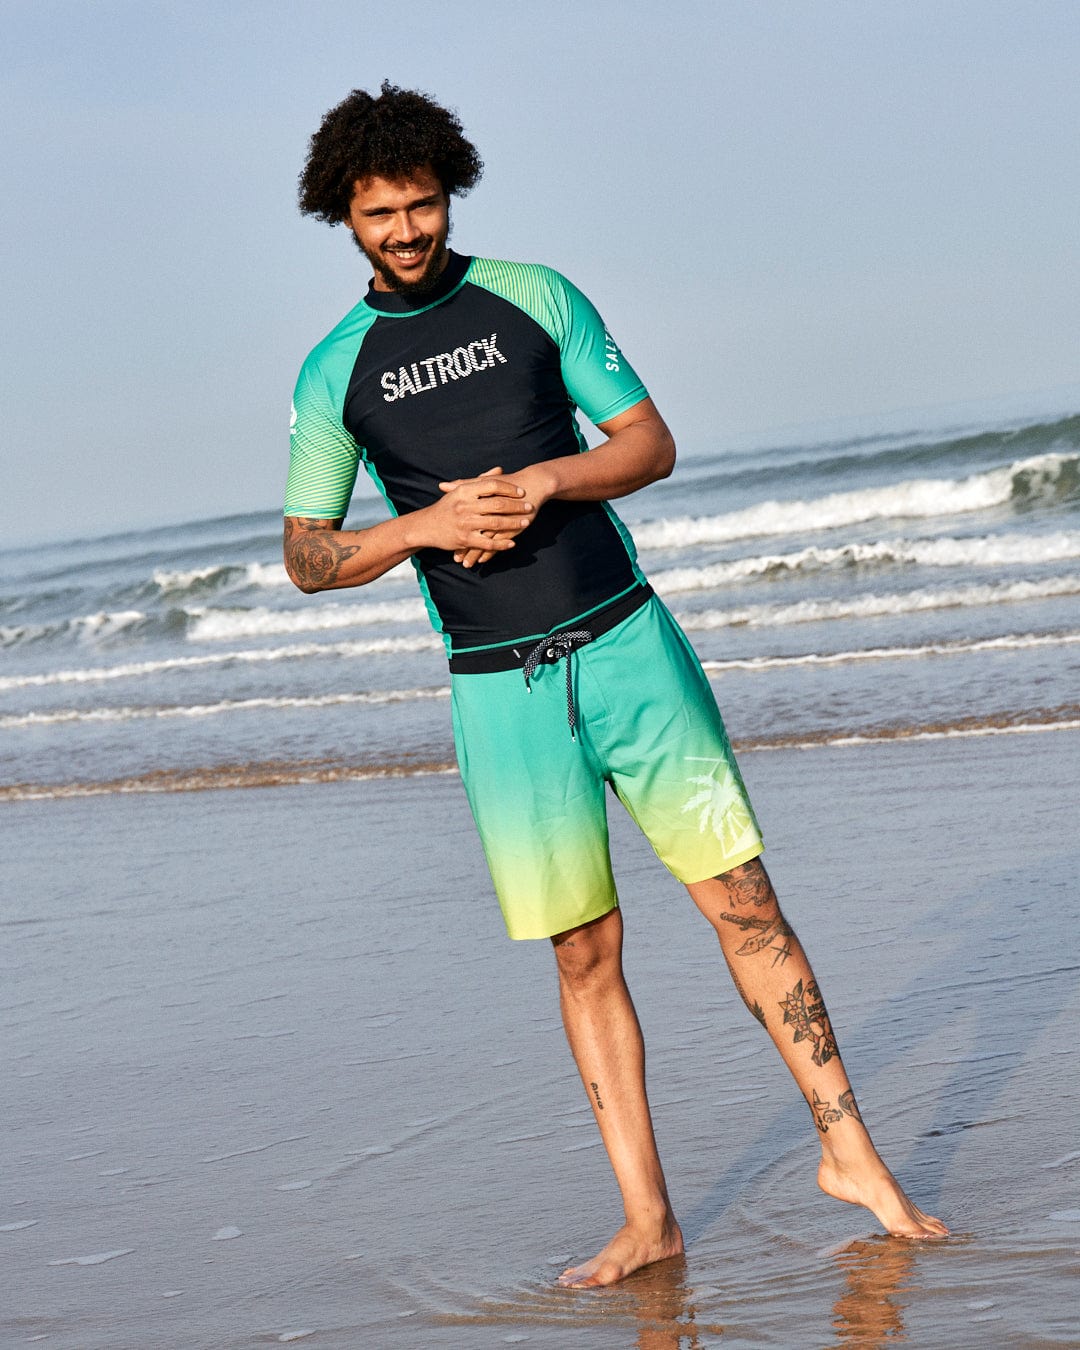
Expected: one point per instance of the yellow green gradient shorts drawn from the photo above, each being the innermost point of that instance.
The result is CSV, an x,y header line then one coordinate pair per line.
x,y
647,725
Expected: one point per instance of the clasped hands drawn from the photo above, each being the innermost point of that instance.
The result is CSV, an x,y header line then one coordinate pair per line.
x,y
479,517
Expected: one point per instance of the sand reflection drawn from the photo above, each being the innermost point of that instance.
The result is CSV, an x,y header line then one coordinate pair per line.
x,y
870,1310
662,1306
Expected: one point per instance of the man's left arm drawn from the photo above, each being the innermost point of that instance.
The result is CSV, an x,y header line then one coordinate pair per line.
x,y
638,451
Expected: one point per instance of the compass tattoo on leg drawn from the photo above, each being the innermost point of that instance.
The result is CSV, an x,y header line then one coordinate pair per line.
x,y
804,1009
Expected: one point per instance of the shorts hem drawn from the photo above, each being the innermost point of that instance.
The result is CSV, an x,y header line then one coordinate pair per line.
x,y
737,860
518,933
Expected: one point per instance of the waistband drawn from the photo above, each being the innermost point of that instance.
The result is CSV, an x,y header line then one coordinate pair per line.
x,y
513,657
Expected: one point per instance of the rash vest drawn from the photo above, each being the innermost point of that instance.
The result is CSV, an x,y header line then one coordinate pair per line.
x,y
487,369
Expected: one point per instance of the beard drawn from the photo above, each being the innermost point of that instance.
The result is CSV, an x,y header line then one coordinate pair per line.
x,y
409,286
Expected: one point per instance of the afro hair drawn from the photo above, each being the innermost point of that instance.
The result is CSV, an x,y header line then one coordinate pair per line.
x,y
389,137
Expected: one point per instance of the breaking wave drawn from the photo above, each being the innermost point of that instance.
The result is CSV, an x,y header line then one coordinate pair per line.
x,y
358,647
1010,550
168,711
1040,480
216,625
1009,642
100,627
175,585
872,606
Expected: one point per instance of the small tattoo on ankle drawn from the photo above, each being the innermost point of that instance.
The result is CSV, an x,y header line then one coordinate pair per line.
x,y
596,1094
848,1106
824,1114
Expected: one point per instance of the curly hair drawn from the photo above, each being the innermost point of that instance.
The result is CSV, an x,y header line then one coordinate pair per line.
x,y
390,136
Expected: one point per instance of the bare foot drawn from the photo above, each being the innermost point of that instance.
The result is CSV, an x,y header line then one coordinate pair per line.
x,y
627,1251
877,1189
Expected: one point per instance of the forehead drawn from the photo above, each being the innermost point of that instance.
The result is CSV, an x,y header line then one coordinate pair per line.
x,y
395,193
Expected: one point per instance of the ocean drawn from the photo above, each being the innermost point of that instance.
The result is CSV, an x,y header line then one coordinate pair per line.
x,y
273,1072
880,585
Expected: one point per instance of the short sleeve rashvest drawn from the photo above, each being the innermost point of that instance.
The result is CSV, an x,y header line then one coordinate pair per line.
x,y
487,371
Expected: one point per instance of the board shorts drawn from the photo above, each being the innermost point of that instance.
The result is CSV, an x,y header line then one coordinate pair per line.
x,y
537,756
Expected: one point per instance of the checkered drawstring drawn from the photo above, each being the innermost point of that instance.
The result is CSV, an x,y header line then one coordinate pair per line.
x,y
550,650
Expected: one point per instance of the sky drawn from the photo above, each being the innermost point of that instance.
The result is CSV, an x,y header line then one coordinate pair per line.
x,y
789,212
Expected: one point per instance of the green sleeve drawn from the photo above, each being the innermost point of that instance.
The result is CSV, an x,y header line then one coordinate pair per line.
x,y
323,458
597,376
600,380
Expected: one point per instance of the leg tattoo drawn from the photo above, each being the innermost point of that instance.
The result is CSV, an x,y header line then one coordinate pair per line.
x,y
826,1114
805,1011
766,934
747,884
848,1106
754,1006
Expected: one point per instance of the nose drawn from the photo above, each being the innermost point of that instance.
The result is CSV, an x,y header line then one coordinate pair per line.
x,y
405,229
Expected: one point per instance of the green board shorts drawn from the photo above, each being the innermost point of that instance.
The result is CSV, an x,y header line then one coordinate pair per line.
x,y
647,725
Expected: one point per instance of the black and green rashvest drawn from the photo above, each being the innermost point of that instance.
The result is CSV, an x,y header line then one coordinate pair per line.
x,y
487,370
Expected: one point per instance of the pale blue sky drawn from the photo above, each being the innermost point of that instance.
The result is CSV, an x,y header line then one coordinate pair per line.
x,y
787,210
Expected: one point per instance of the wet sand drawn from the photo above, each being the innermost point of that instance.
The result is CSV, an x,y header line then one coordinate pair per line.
x,y
273,1075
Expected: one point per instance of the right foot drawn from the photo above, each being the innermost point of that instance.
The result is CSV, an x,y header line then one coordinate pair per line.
x,y
878,1190
627,1251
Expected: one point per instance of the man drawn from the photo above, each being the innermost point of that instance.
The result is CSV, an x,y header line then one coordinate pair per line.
x,y
455,380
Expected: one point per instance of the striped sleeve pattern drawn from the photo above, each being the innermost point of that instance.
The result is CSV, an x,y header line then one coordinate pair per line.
x,y
598,377
323,458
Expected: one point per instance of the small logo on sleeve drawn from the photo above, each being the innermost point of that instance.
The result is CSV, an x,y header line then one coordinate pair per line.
x,y
611,353
434,371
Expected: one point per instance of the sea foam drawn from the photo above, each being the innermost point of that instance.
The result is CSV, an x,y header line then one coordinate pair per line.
x,y
870,606
1024,483
216,625
1004,550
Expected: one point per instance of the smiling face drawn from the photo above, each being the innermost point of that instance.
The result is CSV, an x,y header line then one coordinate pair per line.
x,y
401,225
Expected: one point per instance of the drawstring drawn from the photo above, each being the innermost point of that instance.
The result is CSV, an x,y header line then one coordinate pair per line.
x,y
552,649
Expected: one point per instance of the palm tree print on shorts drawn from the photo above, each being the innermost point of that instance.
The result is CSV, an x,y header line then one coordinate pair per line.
x,y
722,806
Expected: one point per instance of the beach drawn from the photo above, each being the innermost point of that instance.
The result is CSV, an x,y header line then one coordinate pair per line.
x,y
275,1073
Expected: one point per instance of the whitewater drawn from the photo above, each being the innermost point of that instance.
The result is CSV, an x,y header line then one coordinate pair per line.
x,y
837,590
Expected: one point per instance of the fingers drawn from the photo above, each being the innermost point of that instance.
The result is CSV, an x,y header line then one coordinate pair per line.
x,y
485,484
479,517
475,557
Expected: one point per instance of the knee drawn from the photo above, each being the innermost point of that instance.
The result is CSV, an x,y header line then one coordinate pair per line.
x,y
589,955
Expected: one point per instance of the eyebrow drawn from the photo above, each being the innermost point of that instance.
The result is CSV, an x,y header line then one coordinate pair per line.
x,y
430,200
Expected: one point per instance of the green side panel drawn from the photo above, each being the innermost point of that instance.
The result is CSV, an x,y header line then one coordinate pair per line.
x,y
429,604
628,541
600,380
324,458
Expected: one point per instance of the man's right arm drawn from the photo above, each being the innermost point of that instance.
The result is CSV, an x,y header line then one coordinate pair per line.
x,y
321,556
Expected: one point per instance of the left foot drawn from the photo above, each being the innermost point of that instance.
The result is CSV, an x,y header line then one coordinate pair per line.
x,y
877,1189
628,1250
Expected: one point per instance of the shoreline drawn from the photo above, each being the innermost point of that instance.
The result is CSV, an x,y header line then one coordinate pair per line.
x,y
279,773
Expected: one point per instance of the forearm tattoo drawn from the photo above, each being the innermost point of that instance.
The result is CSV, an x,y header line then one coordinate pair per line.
x,y
825,1114
313,553
804,1009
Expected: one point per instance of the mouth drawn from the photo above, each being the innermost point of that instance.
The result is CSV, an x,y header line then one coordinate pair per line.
x,y
410,255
